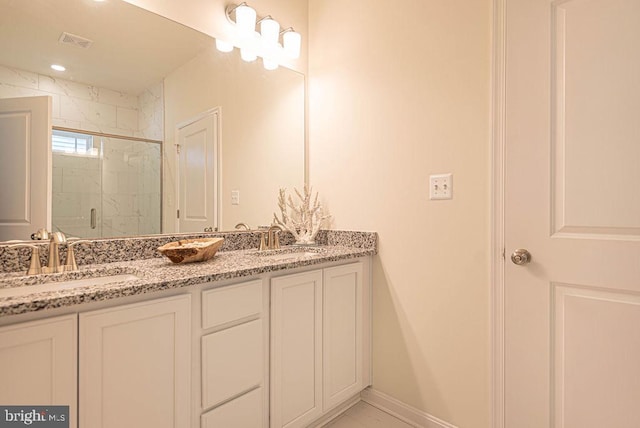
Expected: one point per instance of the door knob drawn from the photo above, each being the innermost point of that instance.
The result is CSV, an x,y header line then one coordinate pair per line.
x,y
521,256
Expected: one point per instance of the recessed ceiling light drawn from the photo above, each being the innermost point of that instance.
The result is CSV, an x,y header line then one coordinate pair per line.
x,y
57,67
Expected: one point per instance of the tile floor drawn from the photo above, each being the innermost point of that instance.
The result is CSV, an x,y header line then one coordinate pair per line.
x,y
363,415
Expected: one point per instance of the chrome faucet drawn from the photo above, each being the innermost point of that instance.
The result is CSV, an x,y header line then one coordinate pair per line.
x,y
272,241
53,264
70,263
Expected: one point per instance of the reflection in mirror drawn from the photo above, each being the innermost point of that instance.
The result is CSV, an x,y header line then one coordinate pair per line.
x,y
133,74
105,186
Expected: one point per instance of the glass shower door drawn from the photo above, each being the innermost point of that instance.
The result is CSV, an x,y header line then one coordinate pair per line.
x,y
105,186
76,185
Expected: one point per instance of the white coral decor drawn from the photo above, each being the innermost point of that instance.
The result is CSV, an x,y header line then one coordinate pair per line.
x,y
305,219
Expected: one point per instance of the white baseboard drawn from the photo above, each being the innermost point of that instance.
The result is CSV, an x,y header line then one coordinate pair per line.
x,y
402,411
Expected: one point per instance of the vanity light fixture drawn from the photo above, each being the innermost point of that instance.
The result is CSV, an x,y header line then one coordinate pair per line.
x,y
266,42
269,31
245,18
58,67
291,42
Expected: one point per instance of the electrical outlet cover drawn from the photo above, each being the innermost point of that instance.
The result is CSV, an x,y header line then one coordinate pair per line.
x,y
441,186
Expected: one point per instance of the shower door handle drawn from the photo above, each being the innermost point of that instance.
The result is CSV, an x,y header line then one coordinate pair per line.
x,y
93,218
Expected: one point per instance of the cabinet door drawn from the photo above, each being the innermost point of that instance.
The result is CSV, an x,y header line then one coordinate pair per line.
x,y
135,365
296,349
342,333
38,364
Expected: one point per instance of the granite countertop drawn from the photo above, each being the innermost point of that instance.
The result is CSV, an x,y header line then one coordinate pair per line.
x,y
158,274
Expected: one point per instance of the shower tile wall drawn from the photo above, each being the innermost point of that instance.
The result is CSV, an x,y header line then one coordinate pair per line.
x,y
131,193
90,108
123,187
76,190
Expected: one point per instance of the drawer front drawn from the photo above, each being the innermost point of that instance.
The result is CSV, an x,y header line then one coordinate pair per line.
x,y
232,362
243,412
228,304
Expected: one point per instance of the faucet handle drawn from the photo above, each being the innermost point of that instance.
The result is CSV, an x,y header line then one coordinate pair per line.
x,y
41,235
34,264
70,262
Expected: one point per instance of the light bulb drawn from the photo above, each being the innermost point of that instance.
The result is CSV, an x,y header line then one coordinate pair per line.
x,y
223,46
57,67
269,64
248,55
292,42
269,31
246,19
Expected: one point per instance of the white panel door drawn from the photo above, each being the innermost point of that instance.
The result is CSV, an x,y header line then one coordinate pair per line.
x,y
296,349
39,364
572,314
198,173
25,166
135,365
342,331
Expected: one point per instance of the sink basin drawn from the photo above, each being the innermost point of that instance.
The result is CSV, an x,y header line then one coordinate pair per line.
x,y
286,256
65,285
288,253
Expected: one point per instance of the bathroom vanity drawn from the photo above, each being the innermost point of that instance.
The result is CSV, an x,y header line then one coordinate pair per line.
x,y
247,339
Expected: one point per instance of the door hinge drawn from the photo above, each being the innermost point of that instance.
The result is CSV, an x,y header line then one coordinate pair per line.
x,y
503,254
178,213
178,148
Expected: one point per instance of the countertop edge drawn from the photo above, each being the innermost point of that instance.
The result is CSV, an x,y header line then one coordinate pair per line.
x,y
160,275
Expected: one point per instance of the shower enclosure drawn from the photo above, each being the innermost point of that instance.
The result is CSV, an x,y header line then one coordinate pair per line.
x,y
105,185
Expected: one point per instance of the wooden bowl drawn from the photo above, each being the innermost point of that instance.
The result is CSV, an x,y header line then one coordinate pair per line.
x,y
191,250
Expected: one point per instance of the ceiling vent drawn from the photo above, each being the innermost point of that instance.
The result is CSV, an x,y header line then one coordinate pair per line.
x,y
72,39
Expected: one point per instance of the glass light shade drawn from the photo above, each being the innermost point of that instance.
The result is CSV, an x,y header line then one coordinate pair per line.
x,y
269,64
248,55
246,19
223,46
292,42
269,31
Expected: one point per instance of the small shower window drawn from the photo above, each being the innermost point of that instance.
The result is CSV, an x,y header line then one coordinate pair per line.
x,y
73,143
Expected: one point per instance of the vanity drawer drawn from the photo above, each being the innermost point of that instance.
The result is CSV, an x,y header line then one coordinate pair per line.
x,y
224,305
243,412
232,362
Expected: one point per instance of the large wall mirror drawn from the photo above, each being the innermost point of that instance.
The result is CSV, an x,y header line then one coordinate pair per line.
x,y
151,129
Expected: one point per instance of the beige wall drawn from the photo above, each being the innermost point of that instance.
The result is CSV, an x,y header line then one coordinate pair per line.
x,y
208,16
398,91
262,131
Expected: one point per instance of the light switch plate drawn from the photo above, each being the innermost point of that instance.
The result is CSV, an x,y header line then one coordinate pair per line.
x,y
235,197
441,186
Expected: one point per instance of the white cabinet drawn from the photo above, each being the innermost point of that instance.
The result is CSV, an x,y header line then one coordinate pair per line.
x,y
317,341
234,356
296,349
135,365
38,363
342,333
